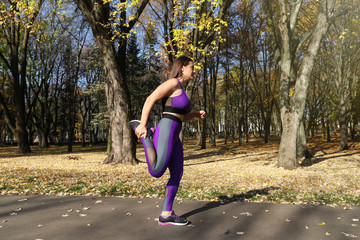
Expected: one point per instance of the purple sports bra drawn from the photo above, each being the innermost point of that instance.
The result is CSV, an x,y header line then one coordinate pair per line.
x,y
179,104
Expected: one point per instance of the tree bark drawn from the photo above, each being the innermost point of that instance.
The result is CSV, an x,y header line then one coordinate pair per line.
x,y
287,149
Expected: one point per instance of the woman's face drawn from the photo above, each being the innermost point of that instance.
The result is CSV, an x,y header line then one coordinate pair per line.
x,y
188,71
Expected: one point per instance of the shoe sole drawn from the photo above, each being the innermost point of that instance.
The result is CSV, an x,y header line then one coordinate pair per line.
x,y
172,223
133,122
150,130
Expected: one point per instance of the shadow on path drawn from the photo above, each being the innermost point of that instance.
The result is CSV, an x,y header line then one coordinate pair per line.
x,y
223,200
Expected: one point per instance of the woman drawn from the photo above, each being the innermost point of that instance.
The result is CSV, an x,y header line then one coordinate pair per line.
x,y
165,150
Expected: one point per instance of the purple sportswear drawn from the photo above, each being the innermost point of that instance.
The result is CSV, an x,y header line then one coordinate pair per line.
x,y
167,145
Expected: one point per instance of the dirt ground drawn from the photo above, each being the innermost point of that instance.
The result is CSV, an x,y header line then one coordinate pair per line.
x,y
220,173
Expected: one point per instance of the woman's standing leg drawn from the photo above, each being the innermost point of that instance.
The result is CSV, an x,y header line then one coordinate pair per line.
x,y
176,171
168,151
176,164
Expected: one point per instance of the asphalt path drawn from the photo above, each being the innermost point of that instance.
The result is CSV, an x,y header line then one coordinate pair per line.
x,y
57,217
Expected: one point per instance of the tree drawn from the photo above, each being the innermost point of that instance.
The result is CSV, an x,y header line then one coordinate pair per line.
x,y
43,60
17,23
109,33
192,28
296,47
342,47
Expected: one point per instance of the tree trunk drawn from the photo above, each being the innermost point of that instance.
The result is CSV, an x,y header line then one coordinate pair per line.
x,y
302,149
328,132
118,103
287,149
226,125
20,130
267,125
212,109
43,138
343,121
203,138
240,132
108,146
83,136
198,133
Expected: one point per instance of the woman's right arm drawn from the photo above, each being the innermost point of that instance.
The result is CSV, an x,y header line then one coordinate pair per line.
x,y
164,90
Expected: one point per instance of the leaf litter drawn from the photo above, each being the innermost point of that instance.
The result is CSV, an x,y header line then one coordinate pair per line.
x,y
225,173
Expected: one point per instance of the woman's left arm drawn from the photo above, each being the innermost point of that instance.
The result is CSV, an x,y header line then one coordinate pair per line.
x,y
199,114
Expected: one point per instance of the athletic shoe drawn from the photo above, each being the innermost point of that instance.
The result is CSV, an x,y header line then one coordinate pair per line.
x,y
133,124
173,219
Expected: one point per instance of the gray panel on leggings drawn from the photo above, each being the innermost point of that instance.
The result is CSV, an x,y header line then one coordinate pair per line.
x,y
163,142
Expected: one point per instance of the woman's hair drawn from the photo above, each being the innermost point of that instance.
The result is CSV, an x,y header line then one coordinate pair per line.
x,y
177,66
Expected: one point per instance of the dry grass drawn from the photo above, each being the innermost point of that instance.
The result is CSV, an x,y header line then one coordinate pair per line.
x,y
226,173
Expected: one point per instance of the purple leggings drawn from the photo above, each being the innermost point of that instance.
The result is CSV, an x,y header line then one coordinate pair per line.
x,y
166,151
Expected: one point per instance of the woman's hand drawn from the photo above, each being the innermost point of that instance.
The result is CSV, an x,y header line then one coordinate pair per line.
x,y
141,131
201,114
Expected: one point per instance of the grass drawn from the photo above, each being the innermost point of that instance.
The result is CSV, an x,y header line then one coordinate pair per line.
x,y
223,173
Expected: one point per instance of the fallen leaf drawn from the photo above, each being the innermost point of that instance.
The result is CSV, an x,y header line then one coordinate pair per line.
x,y
355,220
246,213
98,201
321,224
202,221
327,234
65,215
83,215
288,220
240,233
349,235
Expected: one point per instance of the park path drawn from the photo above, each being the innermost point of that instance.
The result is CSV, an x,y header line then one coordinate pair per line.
x,y
66,218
